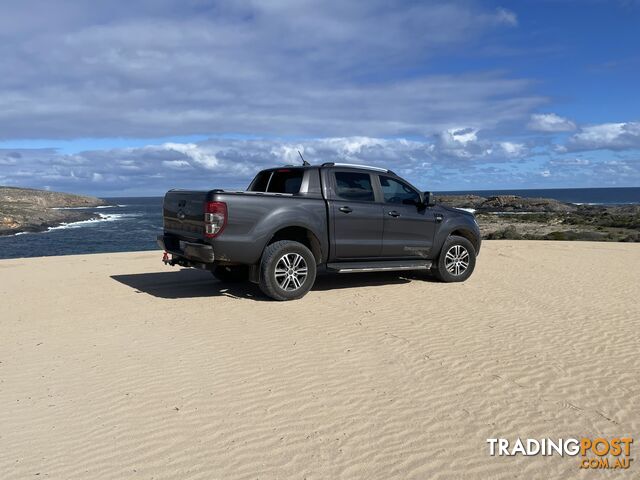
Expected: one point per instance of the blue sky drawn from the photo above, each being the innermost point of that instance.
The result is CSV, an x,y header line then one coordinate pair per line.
x,y
133,98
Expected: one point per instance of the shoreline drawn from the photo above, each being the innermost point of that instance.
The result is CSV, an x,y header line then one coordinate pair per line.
x,y
95,218
48,226
29,210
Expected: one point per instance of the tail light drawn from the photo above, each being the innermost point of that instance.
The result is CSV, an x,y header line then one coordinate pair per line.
x,y
215,218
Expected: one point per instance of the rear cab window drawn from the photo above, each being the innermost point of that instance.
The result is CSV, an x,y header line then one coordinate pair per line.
x,y
283,180
354,186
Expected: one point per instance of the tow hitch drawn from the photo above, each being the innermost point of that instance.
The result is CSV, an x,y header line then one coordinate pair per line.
x,y
183,262
173,261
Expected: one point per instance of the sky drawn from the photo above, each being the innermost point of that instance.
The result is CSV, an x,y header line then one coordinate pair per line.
x,y
124,98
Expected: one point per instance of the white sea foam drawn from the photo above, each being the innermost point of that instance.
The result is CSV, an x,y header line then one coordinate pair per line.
x,y
109,217
87,208
104,217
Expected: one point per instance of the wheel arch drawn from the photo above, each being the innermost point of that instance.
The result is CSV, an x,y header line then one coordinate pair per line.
x,y
300,234
468,234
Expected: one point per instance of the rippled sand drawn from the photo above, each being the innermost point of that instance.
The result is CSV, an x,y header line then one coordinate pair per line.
x,y
115,366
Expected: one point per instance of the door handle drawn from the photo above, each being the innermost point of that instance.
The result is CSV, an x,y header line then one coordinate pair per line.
x,y
345,209
393,213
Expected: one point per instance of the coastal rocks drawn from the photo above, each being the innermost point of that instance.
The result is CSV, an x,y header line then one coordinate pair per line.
x,y
506,203
512,217
461,201
29,210
513,203
47,199
8,223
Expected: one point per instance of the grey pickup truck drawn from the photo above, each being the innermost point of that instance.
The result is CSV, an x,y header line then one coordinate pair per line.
x,y
296,220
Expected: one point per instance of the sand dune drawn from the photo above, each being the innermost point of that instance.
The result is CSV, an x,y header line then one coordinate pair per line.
x,y
114,366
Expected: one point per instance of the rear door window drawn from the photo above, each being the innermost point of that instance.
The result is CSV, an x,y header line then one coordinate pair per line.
x,y
354,186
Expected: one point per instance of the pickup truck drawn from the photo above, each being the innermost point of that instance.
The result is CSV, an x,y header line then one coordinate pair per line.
x,y
294,221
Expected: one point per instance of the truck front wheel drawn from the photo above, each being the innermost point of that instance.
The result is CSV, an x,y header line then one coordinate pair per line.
x,y
287,270
457,260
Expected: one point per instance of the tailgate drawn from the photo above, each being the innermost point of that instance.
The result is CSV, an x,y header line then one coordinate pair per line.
x,y
183,213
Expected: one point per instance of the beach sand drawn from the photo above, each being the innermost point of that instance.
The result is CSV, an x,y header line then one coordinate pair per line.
x,y
114,366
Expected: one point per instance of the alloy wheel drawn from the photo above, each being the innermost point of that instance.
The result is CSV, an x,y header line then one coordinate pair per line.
x,y
456,260
291,271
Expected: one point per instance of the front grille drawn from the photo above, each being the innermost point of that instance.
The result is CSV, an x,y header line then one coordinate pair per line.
x,y
185,226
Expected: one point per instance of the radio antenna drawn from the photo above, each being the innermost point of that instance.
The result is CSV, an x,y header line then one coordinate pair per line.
x,y
304,162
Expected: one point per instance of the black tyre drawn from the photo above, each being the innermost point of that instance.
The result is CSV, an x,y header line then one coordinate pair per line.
x,y
231,273
287,270
456,261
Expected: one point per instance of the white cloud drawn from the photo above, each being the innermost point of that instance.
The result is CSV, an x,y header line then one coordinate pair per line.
x,y
200,156
577,162
550,122
507,17
231,163
177,164
289,153
465,143
512,149
153,69
461,136
457,158
353,145
609,136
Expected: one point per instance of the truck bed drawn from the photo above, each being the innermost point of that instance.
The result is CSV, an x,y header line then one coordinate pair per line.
x,y
252,217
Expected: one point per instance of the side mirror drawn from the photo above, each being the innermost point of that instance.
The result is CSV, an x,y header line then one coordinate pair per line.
x,y
429,199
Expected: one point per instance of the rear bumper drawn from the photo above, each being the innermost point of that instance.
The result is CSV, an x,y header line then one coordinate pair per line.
x,y
196,252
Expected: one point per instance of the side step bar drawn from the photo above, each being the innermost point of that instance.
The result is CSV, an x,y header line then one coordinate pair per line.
x,y
383,266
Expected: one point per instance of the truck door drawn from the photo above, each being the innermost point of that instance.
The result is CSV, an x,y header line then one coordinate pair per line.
x,y
356,217
409,228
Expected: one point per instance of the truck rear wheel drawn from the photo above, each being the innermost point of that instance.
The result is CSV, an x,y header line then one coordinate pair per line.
x,y
287,270
457,260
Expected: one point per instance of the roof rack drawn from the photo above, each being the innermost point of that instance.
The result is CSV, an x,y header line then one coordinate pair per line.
x,y
353,165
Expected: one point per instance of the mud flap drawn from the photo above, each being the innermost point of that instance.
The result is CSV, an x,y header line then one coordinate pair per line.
x,y
254,273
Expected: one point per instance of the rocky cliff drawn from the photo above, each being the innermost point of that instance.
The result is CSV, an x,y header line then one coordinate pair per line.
x,y
29,210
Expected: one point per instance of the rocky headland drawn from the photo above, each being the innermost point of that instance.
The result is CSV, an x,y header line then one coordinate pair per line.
x,y
512,217
30,210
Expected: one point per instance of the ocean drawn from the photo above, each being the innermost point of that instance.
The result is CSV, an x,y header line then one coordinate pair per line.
x,y
133,223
